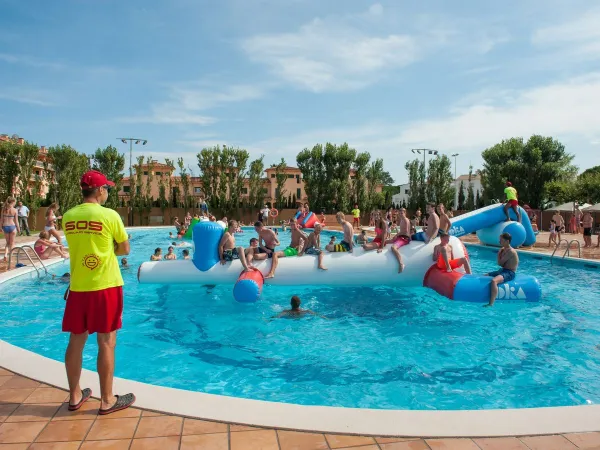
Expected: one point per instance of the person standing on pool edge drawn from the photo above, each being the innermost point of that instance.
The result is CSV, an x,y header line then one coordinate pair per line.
x,y
94,300
511,201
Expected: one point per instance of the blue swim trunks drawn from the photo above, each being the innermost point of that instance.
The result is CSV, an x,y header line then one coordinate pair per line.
x,y
508,275
420,236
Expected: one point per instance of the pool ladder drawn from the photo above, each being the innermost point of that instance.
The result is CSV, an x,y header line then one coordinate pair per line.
x,y
567,251
23,247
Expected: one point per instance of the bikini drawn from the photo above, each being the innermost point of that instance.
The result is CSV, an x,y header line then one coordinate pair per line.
x,y
51,220
9,228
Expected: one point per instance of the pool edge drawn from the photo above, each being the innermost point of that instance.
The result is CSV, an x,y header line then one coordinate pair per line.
x,y
324,419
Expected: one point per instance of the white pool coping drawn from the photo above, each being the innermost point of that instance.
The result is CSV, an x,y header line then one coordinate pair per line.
x,y
326,419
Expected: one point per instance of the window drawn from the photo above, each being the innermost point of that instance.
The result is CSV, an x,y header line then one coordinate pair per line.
x,y
197,190
290,176
145,172
298,193
298,179
276,192
158,173
272,175
406,191
265,191
244,190
125,188
37,172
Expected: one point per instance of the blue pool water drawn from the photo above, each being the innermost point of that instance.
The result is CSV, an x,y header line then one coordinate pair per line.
x,y
380,348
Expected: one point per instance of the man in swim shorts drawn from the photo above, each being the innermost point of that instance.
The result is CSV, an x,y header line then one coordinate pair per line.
x,y
401,239
588,221
511,201
297,243
94,302
313,245
444,219
444,256
560,224
508,260
433,226
271,241
227,249
348,242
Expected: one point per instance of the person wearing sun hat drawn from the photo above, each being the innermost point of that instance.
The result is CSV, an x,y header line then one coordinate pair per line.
x,y
94,299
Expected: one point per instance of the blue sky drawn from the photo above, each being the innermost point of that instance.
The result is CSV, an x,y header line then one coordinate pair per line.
x,y
276,76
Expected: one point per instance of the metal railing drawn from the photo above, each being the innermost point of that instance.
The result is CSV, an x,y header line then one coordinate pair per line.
x,y
23,247
568,249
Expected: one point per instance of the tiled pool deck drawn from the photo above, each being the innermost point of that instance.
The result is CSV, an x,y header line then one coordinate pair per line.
x,y
34,416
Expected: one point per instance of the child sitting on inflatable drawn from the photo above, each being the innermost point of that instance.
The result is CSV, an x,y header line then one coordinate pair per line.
x,y
380,234
444,258
227,249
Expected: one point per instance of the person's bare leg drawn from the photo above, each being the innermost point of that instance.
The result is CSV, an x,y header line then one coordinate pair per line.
x,y
506,206
54,233
494,289
467,265
274,263
517,212
242,257
398,256
73,363
321,266
106,367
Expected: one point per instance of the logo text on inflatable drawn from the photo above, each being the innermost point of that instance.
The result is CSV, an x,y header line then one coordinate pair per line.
x,y
456,231
506,292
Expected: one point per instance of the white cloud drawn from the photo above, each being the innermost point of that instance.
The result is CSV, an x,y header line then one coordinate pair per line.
x,y
376,9
29,61
29,96
331,55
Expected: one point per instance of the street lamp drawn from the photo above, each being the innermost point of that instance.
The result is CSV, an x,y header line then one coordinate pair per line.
x,y
454,155
137,141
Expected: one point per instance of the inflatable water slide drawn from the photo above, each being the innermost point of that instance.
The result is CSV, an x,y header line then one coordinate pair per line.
x,y
359,268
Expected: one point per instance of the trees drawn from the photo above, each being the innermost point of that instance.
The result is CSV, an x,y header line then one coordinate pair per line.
x,y
209,163
416,170
240,158
461,196
374,177
440,187
470,205
111,163
311,163
528,165
255,175
185,184
280,179
9,167
69,166
359,182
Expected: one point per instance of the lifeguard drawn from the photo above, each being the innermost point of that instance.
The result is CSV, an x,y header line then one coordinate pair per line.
x,y
511,201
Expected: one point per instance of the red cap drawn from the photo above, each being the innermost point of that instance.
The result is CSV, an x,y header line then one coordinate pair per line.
x,y
508,183
94,179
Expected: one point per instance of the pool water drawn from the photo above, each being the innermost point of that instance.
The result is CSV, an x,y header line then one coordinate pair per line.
x,y
377,348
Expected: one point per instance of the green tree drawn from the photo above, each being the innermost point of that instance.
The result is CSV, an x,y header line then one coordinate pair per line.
x,y
561,191
140,188
461,196
240,169
256,194
587,187
374,177
209,163
9,167
111,163
440,180
416,184
69,165
386,179
359,183
470,205
280,179
169,183
185,184
528,165
311,163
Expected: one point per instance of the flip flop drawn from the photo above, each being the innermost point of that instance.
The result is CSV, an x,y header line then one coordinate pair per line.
x,y
85,395
123,402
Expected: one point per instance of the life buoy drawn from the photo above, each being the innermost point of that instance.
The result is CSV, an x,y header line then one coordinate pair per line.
x,y
274,212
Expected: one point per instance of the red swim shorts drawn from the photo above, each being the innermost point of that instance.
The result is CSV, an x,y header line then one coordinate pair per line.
x,y
356,220
378,242
94,312
513,202
454,263
401,241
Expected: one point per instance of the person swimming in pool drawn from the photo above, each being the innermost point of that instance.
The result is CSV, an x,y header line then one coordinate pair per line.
x,y
64,278
296,311
508,260
444,256
185,254
157,256
124,264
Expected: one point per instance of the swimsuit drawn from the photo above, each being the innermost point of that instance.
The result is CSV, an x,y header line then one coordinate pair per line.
x,y
313,251
230,254
290,251
587,231
507,274
454,263
401,241
269,255
8,228
342,247
39,249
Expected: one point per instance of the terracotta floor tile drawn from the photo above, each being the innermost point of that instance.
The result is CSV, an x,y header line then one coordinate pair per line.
x,y
6,409
5,372
554,442
4,379
146,413
18,382
295,440
69,430
418,444
156,443
120,444
47,395
88,411
124,413
452,444
254,440
214,441
193,426
341,441
55,446
362,447
501,443
159,426
112,429
15,395
14,446
237,428
12,433
388,440
584,440
32,413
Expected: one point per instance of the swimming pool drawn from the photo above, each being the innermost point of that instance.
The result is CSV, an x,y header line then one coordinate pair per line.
x,y
380,347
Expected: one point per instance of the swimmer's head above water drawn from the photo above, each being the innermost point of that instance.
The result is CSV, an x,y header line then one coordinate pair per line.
x,y
295,303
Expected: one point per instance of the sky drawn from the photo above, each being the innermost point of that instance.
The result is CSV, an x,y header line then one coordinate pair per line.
x,y
277,76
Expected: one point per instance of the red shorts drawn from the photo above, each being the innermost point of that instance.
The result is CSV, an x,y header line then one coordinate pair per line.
x,y
513,203
356,219
94,312
401,241
378,242
454,263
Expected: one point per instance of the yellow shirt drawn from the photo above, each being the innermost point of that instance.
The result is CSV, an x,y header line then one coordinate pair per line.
x,y
511,193
91,231
356,213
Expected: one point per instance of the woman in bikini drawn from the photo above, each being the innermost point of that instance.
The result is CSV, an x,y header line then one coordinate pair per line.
x,y
51,218
44,247
10,224
381,231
